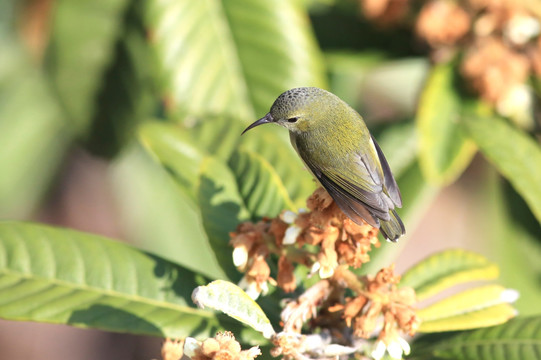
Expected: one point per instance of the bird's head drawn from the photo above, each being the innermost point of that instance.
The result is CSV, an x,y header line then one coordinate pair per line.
x,y
296,109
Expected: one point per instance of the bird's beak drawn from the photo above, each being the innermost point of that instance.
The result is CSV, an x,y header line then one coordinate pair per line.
x,y
264,120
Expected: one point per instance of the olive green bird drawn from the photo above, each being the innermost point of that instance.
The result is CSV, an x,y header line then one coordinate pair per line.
x,y
335,145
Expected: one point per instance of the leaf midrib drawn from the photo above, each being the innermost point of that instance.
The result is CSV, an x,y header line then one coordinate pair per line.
x,y
112,293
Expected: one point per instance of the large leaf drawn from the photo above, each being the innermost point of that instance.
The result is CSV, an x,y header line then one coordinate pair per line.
x,y
470,309
512,237
232,57
126,93
259,184
513,153
67,277
272,144
33,132
444,150
206,181
157,216
83,37
446,269
518,339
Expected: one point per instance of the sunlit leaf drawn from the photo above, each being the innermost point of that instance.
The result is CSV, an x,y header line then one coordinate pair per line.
x,y
232,57
444,150
446,269
233,301
67,277
478,307
513,153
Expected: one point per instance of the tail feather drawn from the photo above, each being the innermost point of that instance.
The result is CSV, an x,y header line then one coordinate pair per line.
x,y
394,228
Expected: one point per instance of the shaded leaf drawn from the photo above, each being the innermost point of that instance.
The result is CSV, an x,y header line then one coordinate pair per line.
x,y
67,277
446,269
444,150
157,216
222,209
83,36
33,132
125,97
206,180
518,339
514,154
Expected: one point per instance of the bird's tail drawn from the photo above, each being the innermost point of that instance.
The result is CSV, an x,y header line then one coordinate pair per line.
x,y
394,228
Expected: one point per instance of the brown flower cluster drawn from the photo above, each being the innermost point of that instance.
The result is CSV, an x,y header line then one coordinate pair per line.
x,y
324,227
378,309
381,297
221,347
500,39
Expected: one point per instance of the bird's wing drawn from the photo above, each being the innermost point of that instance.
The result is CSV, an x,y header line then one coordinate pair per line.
x,y
371,199
390,183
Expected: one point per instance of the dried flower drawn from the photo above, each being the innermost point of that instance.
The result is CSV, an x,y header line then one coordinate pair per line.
x,y
222,347
172,349
385,12
442,23
338,239
492,68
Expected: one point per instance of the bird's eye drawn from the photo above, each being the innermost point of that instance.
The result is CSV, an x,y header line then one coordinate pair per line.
x,y
292,120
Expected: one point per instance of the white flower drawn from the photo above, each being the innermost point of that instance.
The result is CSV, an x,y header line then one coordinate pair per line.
x,y
293,231
291,235
190,346
288,217
521,28
517,104
395,348
252,288
240,257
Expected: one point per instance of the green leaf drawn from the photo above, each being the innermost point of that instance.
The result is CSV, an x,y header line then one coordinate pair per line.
x,y
222,209
514,154
478,307
156,216
260,185
68,277
233,301
272,144
173,148
206,180
444,150
518,339
125,97
446,269
82,45
33,132
232,57
512,238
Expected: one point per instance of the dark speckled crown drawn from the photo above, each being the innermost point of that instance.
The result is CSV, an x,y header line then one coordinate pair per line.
x,y
295,98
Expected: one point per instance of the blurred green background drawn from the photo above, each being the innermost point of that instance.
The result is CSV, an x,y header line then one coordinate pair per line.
x,y
85,86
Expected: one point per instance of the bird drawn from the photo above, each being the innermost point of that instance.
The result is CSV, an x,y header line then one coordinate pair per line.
x,y
332,140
